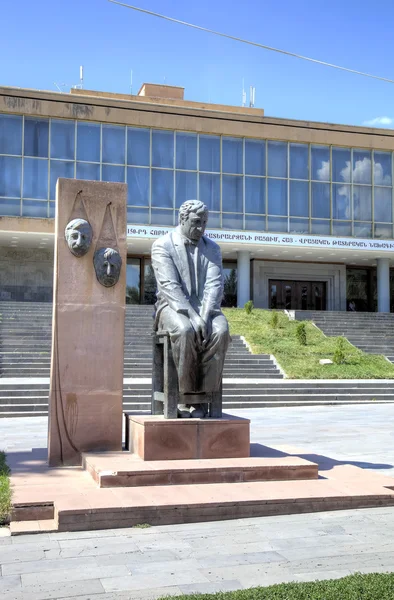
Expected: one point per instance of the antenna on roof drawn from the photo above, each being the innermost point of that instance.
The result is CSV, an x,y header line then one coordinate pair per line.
x,y
252,96
60,86
79,86
131,83
243,93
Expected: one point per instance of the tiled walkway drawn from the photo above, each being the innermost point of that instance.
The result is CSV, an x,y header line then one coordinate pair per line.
x,y
208,557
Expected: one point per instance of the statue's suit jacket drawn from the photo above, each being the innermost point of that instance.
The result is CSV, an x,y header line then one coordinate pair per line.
x,y
171,266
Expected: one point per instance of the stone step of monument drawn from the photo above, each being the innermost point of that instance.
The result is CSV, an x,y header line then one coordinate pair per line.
x,y
165,505
120,469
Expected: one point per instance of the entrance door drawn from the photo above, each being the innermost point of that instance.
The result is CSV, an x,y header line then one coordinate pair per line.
x,y
297,295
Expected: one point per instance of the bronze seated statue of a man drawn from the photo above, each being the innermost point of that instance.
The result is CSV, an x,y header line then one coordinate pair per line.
x,y
189,275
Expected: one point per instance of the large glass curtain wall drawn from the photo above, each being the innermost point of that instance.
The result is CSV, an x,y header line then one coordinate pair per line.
x,y
260,185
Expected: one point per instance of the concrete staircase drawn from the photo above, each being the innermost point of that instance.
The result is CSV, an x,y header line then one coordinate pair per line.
x,y
31,399
25,344
371,332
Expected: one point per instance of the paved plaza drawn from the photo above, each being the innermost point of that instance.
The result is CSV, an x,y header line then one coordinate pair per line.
x,y
207,557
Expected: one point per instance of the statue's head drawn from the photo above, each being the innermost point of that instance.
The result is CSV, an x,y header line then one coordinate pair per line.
x,y
193,219
79,236
107,264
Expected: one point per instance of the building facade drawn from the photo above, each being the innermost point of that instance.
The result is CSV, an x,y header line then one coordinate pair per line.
x,y
303,211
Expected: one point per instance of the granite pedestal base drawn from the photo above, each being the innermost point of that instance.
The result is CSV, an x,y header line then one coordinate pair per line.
x,y
152,437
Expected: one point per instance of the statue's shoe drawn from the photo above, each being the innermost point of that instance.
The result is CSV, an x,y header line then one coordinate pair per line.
x,y
184,411
197,412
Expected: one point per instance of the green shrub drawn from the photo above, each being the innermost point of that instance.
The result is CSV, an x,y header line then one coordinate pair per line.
x,y
248,307
339,357
274,320
5,490
301,333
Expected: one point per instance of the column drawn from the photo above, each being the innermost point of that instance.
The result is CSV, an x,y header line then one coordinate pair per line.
x,y
243,278
383,275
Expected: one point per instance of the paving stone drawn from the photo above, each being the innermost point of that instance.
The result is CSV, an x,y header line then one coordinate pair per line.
x,y
9,584
134,558
149,594
146,581
80,573
41,566
223,560
58,590
10,555
213,587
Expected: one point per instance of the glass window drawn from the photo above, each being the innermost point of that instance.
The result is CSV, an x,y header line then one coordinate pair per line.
x,y
88,171
299,226
62,139
10,176
232,221
9,207
255,195
341,201
320,158
321,200
383,209
59,168
278,224
362,166
35,178
299,198
52,210
341,165
162,217
150,285
138,147
382,168
277,197
36,137
88,141
137,215
138,181
277,159
162,188
341,228
210,190
10,134
232,193
163,149
186,187
254,157
214,220
34,208
383,230
133,280
232,155
320,227
362,203
255,223
362,230
209,152
299,160
113,173
114,142
186,151
230,284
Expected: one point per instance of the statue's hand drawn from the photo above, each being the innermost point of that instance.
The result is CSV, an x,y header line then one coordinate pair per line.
x,y
199,327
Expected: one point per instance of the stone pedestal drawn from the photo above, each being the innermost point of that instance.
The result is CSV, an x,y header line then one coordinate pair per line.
x,y
86,392
154,438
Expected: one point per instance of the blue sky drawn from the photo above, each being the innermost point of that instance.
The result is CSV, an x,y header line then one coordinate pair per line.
x,y
45,41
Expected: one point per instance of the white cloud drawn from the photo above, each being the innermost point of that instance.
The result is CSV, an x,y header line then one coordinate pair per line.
x,y
324,172
380,122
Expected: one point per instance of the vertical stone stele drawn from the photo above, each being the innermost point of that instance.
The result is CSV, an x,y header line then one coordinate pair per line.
x,y
86,391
